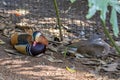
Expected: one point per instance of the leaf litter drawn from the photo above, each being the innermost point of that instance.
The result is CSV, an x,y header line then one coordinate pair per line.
x,y
107,65
2,42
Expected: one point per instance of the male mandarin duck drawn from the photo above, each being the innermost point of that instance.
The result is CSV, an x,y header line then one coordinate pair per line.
x,y
29,44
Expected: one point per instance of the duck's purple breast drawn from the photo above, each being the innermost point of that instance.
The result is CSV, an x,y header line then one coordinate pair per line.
x,y
35,50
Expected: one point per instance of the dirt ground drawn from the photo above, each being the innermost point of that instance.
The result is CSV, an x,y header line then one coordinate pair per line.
x,y
15,67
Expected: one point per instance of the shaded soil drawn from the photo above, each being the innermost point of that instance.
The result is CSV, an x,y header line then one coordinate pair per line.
x,y
32,68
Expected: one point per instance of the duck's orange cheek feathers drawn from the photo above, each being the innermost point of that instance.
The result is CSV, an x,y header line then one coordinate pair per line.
x,y
43,40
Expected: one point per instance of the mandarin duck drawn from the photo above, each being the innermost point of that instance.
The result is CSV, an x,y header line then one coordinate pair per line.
x,y
94,46
29,44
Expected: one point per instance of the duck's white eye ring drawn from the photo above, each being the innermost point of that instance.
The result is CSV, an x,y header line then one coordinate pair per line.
x,y
38,34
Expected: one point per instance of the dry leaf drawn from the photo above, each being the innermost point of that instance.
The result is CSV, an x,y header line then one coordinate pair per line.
x,y
1,42
24,25
2,26
92,62
8,32
12,51
77,55
88,75
110,67
39,55
5,32
117,43
71,69
51,59
50,47
18,12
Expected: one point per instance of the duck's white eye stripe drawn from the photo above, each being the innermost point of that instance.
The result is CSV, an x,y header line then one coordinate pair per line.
x,y
38,34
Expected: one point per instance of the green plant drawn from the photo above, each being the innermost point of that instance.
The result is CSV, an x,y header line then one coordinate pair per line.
x,y
58,19
102,6
65,52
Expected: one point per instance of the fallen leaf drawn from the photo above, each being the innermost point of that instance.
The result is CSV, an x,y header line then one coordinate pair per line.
x,y
24,25
88,75
77,55
8,32
18,12
51,59
117,43
14,52
1,42
92,62
2,26
118,67
110,67
39,55
71,69
102,62
50,47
